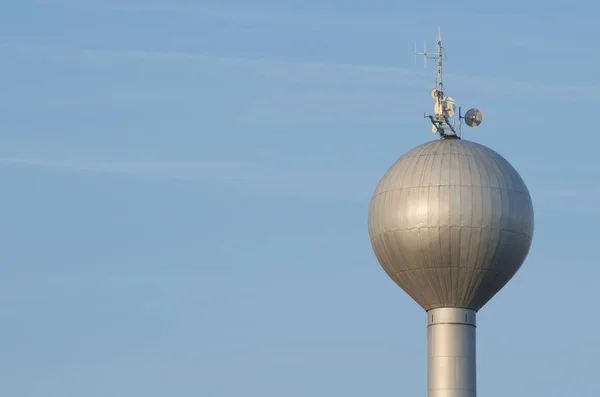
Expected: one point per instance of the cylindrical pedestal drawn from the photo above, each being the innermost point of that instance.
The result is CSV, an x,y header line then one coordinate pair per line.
x,y
451,353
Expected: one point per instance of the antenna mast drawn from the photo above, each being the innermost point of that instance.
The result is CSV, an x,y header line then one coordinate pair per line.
x,y
444,107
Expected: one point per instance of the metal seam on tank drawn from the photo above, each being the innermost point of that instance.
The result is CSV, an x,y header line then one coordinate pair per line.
x,y
422,256
500,274
375,208
408,171
465,226
386,180
513,176
463,148
395,244
443,280
433,268
481,255
438,177
442,147
433,149
415,293
374,221
409,154
396,177
385,204
497,215
387,228
388,203
520,218
434,278
504,207
519,212
447,185
479,279
378,237
426,251
489,152
386,254
446,293
405,172
422,149
380,251
404,257
457,286
457,266
414,218
493,219
399,164
418,283
467,283
470,227
476,282
379,254
408,282
455,271
382,180
505,185
398,278
407,256
477,285
387,176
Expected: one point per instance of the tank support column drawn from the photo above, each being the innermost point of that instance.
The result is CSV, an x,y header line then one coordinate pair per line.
x,y
451,352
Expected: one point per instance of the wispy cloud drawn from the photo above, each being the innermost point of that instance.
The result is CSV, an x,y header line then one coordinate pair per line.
x,y
573,193
312,15
337,184
274,15
300,92
315,70
314,183
575,200
173,56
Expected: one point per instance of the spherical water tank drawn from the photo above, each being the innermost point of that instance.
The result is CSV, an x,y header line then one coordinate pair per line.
x,y
451,222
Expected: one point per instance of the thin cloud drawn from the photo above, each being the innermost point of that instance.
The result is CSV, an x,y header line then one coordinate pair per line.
x,y
255,15
314,69
573,193
322,183
305,16
312,183
567,200
174,56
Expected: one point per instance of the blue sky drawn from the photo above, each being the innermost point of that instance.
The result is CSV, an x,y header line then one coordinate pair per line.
x,y
186,185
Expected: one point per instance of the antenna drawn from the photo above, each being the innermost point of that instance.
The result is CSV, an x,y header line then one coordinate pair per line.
x,y
445,106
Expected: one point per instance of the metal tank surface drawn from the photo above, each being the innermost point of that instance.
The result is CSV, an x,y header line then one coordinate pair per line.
x,y
451,222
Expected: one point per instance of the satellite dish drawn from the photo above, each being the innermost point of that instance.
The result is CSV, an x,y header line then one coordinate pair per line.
x,y
434,94
473,117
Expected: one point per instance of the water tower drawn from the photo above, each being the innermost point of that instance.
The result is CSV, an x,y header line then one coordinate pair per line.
x,y
451,222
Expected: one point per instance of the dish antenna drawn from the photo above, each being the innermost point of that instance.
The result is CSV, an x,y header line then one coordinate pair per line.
x,y
445,106
473,117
